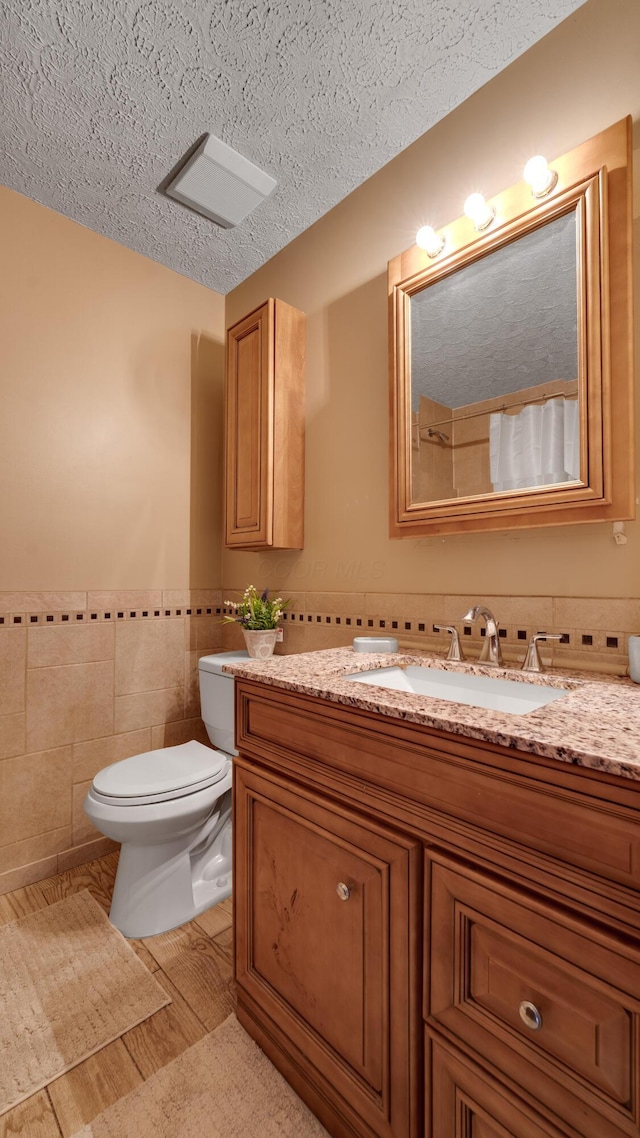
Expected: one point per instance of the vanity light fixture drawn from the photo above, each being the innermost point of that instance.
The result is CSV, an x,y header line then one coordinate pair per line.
x,y
539,175
479,211
430,241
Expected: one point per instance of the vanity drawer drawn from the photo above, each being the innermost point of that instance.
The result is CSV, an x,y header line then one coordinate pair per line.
x,y
462,1101
547,998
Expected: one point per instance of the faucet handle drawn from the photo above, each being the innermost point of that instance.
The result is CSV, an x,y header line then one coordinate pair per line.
x,y
532,661
455,650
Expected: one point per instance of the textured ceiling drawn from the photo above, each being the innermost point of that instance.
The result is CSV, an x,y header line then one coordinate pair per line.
x,y
101,99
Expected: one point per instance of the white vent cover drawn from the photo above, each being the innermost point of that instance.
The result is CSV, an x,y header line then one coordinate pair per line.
x,y
220,183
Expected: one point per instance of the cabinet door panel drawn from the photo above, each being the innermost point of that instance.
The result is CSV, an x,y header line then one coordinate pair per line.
x,y
335,975
248,430
322,955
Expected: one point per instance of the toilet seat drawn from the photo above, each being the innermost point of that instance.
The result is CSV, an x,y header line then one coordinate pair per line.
x,y
159,776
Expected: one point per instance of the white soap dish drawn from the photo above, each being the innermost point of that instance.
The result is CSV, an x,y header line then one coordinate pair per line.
x,y
375,644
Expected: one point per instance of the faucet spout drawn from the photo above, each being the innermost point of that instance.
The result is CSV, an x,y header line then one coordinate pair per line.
x,y
491,651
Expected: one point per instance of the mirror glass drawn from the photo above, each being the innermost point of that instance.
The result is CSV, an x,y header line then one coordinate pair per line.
x,y
493,370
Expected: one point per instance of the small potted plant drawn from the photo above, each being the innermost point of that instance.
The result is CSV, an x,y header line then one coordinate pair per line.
x,y
259,617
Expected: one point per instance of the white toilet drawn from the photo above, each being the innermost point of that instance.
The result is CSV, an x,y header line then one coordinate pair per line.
x,y
171,810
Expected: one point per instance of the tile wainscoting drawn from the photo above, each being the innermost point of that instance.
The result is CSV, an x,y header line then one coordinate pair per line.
x,y
88,678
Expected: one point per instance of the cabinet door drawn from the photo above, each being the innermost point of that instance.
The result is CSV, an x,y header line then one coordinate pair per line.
x,y
464,1103
249,414
324,902
265,429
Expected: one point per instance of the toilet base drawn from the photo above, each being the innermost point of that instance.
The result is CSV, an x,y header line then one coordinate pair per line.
x,y
159,887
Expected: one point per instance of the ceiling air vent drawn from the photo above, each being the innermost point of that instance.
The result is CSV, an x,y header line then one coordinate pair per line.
x,y
220,183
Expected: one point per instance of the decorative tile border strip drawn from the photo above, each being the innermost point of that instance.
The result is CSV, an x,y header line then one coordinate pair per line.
x,y
29,620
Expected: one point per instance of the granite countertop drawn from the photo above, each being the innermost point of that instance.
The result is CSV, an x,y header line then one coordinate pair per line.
x,y
596,724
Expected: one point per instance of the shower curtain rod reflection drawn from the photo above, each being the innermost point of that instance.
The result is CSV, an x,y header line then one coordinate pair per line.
x,y
431,427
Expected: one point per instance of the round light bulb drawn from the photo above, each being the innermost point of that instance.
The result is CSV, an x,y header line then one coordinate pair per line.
x,y
478,211
538,174
430,241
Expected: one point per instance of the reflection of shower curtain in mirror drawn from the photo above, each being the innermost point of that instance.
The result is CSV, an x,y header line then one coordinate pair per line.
x,y
537,447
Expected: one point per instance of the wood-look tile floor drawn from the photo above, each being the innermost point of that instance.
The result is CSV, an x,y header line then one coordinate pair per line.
x,y
193,964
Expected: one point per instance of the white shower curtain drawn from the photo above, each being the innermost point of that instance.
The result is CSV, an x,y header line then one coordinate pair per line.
x,y
537,447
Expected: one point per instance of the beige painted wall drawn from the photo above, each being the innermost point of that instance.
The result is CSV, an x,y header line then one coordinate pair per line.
x,y
577,81
111,389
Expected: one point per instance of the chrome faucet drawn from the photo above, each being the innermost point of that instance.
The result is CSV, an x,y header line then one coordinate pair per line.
x,y
455,651
532,661
491,653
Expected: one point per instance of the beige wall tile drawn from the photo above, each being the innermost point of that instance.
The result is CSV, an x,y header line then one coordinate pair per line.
x,y
206,597
147,709
342,604
327,636
27,874
176,598
13,643
208,631
92,756
232,638
203,633
191,598
403,607
12,735
133,600
595,613
69,704
296,639
78,855
57,644
35,794
83,829
34,849
149,656
191,685
172,734
43,602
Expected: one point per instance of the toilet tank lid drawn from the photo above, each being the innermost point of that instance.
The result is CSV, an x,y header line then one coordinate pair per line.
x,y
214,663
161,771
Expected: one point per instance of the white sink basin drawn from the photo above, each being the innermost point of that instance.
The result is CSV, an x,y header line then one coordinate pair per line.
x,y
517,697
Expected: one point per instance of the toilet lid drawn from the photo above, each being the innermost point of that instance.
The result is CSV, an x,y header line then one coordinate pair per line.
x,y
162,772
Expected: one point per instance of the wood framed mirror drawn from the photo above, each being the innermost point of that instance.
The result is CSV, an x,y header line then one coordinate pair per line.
x,y
511,363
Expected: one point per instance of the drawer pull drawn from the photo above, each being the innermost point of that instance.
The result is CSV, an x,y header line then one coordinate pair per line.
x,y
343,891
530,1015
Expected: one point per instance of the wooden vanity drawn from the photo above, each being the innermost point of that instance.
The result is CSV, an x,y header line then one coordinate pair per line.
x,y
435,935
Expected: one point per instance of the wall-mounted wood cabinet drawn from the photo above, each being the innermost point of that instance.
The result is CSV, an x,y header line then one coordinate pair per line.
x,y
265,429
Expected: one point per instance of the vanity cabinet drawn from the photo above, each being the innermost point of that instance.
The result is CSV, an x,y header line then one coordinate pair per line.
x,y
481,978
264,496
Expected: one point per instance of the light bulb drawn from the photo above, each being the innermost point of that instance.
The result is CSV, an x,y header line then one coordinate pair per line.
x,y
479,211
539,175
430,241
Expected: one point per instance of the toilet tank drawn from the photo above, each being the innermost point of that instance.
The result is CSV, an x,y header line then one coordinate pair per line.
x,y
216,698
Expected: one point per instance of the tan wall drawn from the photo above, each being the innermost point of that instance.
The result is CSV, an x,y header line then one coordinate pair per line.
x,y
106,359
575,82
111,388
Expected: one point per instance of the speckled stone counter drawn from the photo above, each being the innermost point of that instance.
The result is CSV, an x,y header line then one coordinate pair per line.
x,y
596,724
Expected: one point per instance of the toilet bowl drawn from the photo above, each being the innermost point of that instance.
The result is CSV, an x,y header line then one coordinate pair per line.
x,y
171,811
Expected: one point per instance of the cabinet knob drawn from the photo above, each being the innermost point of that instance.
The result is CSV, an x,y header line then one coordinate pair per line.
x,y
343,891
530,1015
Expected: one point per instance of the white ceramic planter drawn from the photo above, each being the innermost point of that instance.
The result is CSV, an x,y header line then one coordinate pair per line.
x,y
260,642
